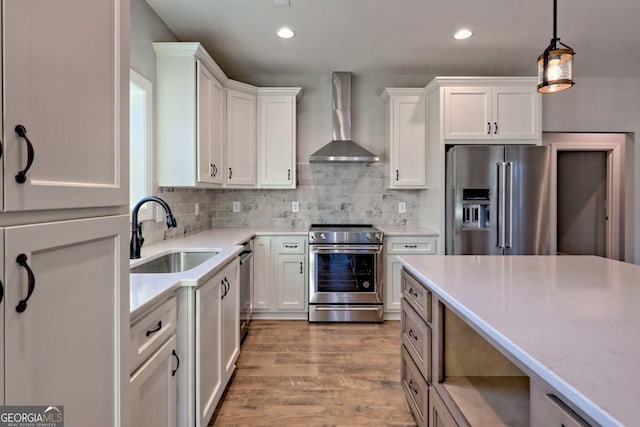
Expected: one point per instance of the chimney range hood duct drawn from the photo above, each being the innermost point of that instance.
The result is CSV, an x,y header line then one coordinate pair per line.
x,y
342,149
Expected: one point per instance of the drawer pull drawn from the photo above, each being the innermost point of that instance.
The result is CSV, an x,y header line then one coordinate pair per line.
x,y
173,371
411,246
291,246
412,293
413,335
413,389
153,331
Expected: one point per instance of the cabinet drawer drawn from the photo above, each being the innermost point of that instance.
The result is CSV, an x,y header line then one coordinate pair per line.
x,y
549,411
416,336
293,245
148,333
416,389
417,295
415,245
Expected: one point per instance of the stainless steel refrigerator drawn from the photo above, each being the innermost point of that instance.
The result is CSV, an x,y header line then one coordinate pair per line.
x,y
497,200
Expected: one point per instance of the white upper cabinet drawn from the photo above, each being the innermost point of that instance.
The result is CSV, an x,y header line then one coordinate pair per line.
x,y
407,138
277,138
210,127
65,95
241,139
488,110
190,110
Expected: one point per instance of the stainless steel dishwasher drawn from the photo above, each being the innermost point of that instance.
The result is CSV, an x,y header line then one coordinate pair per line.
x,y
246,288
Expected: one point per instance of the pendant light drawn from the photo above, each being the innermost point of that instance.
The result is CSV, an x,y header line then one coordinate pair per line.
x,y
555,65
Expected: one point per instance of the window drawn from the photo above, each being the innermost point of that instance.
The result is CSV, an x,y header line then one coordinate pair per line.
x,y
140,142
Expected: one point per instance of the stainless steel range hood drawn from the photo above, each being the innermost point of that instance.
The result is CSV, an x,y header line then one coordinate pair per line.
x,y
342,148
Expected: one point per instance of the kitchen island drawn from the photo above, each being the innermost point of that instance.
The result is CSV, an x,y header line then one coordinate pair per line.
x,y
571,324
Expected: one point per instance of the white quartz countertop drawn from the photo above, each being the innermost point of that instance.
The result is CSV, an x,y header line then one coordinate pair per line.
x,y
574,321
147,290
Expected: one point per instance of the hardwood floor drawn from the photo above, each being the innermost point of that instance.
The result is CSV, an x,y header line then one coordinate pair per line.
x,y
295,373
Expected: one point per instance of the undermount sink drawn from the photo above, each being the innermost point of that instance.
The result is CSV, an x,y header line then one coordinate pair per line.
x,y
174,262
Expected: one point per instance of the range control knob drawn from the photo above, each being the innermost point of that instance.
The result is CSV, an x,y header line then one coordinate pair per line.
x,y
312,236
378,237
368,236
323,236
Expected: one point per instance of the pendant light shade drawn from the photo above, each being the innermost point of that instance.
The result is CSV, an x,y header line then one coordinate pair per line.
x,y
555,65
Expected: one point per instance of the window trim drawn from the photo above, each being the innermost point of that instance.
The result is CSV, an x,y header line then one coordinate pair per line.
x,y
146,212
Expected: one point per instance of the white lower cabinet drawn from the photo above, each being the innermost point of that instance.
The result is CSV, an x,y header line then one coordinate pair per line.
x,y
66,311
154,364
230,322
208,341
208,380
401,245
281,277
152,390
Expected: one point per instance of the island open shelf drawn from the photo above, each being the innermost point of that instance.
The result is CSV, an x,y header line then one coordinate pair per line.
x,y
486,388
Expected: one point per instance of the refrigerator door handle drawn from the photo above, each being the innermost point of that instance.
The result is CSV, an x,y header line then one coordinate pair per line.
x,y
509,223
502,206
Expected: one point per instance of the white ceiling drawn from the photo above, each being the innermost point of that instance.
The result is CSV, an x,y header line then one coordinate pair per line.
x,y
405,37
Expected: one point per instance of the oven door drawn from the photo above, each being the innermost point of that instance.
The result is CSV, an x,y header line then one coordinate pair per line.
x,y
345,274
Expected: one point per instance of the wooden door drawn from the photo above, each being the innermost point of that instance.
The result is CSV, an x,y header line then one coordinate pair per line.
x,y
208,341
230,321
66,85
241,139
63,339
516,113
277,141
152,390
467,113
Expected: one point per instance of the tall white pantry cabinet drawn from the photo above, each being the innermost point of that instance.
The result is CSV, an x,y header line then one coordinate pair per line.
x,y
64,225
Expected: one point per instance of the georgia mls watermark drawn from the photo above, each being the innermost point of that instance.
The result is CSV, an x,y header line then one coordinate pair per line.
x,y
31,416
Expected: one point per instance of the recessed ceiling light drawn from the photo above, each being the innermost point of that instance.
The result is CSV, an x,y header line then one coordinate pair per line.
x,y
285,33
463,34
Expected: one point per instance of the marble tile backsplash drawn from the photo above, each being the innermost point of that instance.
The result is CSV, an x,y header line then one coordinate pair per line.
x,y
326,193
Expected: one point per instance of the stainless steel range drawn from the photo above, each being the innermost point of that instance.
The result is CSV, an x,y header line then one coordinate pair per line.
x,y
346,274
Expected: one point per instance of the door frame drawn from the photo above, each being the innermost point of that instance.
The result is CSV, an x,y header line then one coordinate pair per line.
x,y
611,143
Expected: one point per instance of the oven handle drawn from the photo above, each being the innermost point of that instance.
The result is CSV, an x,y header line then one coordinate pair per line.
x,y
346,248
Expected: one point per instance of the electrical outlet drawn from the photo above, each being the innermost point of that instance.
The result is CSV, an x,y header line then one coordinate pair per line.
x,y
236,206
402,207
197,209
295,207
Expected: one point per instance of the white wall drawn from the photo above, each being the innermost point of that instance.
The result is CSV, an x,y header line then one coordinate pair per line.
x,y
600,104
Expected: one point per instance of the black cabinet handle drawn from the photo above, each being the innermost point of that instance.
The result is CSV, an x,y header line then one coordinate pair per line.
x,y
397,174
173,372
495,126
228,286
488,128
230,173
21,176
413,335
214,169
411,246
288,174
22,261
224,289
301,268
413,389
1,291
153,331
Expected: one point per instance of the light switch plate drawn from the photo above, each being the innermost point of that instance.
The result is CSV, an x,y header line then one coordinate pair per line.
x,y
295,207
236,206
402,207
